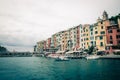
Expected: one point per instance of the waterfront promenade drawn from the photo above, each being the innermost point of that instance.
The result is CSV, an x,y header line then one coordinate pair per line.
x,y
110,57
30,54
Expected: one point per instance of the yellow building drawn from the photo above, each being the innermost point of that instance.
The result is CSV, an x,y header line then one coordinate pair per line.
x,y
40,46
86,36
100,36
100,32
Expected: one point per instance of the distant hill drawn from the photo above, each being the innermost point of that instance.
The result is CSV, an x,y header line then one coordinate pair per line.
x,y
3,49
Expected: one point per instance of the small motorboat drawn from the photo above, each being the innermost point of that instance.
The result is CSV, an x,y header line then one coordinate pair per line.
x,y
62,58
92,57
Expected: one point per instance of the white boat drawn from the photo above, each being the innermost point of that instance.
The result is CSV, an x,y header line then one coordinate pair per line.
x,y
92,57
53,56
62,58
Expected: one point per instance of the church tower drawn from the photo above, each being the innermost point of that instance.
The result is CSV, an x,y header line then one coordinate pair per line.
x,y
105,15
98,20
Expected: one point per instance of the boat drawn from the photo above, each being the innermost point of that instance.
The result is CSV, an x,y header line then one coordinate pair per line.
x,y
92,57
53,56
62,58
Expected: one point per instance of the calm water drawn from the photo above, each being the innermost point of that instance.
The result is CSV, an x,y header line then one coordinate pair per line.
x,y
37,68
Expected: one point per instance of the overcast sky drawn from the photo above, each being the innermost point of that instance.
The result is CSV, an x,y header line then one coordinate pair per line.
x,y
24,22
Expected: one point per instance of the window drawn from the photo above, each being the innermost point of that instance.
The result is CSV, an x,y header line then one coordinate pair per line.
x,y
91,38
118,42
101,27
111,42
86,30
87,43
96,32
95,38
84,34
101,37
91,43
110,31
95,42
110,37
117,36
86,38
74,36
82,44
102,32
101,43
118,30
91,33
91,29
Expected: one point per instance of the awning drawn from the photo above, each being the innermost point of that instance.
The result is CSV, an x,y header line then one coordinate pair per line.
x,y
69,52
101,50
48,52
109,44
116,50
60,51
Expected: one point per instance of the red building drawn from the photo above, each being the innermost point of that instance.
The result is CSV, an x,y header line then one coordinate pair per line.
x,y
78,37
113,38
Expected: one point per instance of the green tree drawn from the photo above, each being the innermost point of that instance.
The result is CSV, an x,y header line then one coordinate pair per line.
x,y
3,49
90,50
115,18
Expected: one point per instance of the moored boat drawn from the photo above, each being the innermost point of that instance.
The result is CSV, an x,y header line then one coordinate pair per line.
x,y
62,58
92,57
53,56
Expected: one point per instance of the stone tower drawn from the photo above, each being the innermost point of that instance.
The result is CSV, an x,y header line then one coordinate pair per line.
x,y
105,15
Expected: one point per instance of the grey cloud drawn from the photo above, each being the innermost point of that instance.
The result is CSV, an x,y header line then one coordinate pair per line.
x,y
24,22
16,40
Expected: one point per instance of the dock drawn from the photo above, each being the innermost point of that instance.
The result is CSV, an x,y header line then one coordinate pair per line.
x,y
110,57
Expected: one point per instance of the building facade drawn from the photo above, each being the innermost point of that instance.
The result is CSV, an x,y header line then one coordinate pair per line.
x,y
103,35
113,38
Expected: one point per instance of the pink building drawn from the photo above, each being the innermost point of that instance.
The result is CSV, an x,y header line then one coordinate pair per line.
x,y
113,38
78,37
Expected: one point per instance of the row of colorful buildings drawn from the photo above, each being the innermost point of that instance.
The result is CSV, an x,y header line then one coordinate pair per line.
x,y
104,35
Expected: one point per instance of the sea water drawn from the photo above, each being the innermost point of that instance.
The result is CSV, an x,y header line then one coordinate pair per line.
x,y
39,68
